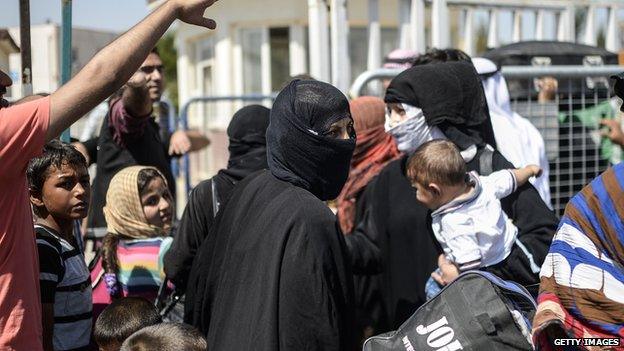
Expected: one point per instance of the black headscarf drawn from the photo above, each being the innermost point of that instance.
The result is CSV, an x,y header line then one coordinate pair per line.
x,y
247,134
298,150
451,97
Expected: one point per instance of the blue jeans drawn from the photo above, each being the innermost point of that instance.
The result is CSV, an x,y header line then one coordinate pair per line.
x,y
432,288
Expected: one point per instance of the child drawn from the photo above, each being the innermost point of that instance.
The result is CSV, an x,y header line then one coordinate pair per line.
x,y
138,211
121,319
166,337
467,217
59,193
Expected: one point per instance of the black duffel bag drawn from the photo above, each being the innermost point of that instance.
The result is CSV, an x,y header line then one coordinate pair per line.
x,y
477,311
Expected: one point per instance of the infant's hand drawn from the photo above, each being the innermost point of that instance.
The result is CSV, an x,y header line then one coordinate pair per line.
x,y
535,170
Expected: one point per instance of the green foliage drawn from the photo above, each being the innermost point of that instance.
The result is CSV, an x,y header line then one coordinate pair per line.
x,y
169,57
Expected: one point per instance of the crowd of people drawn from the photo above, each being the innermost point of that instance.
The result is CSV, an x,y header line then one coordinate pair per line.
x,y
425,185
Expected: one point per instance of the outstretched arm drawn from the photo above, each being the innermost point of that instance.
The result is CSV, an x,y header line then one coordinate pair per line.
x,y
523,174
117,62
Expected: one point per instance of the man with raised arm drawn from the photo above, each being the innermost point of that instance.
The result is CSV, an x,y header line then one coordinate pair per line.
x,y
26,127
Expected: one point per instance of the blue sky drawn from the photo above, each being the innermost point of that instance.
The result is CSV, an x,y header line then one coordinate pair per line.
x,y
106,14
113,15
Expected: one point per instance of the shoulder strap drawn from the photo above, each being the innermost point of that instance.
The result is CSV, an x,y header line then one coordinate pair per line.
x,y
485,161
215,198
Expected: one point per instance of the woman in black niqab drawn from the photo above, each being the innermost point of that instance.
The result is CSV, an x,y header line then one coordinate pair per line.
x,y
393,241
273,274
247,146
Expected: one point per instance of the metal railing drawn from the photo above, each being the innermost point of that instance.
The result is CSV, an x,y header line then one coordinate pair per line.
x,y
569,124
183,123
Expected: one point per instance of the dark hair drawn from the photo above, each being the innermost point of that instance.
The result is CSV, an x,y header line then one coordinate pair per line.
x,y
166,337
155,51
122,318
437,161
55,154
110,263
441,55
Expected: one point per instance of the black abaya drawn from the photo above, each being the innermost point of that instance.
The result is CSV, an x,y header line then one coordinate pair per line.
x,y
275,277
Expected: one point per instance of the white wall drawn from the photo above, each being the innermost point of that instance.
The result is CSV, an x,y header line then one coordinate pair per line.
x,y
46,54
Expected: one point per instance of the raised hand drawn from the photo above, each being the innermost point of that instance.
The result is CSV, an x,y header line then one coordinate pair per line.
x,y
192,12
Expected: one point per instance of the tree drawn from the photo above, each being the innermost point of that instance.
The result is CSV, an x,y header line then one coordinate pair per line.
x,y
169,57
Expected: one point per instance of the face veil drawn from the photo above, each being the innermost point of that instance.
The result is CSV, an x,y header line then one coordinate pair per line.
x,y
298,148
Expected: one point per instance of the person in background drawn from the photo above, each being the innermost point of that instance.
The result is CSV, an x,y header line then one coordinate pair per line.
x,y
139,211
166,337
394,236
398,59
59,188
276,265
516,137
25,128
130,135
374,149
247,147
121,319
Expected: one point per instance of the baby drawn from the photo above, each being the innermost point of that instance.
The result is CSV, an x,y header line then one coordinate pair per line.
x,y
467,217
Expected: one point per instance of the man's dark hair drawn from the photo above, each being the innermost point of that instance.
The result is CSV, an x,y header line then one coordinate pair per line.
x,y
122,318
55,154
155,51
166,337
441,55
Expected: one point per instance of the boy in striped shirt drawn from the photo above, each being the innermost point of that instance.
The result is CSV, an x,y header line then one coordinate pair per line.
x,y
59,194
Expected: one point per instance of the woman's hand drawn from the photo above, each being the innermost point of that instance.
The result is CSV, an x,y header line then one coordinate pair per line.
x,y
448,269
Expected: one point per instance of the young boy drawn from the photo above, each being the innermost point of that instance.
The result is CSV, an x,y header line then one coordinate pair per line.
x,y
467,217
166,337
59,193
121,319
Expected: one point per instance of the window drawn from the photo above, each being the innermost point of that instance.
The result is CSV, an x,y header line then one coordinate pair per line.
x,y
358,47
251,44
280,57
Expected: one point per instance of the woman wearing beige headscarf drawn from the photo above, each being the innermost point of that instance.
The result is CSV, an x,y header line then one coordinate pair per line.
x,y
138,211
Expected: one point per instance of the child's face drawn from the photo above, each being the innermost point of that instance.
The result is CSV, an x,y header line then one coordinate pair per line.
x,y
157,203
66,192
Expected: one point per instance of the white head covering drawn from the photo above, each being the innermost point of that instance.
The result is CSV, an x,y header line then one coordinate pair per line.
x,y
516,137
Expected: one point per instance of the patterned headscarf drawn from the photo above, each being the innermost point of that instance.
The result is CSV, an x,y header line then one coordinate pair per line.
x,y
582,278
123,211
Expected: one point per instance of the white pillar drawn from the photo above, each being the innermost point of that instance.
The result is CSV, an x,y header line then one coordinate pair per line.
x,y
613,42
566,30
439,24
540,19
318,40
590,28
492,40
183,68
469,45
296,46
340,61
417,24
374,35
517,26
405,40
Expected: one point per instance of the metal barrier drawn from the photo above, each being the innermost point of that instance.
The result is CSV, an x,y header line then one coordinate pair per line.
x,y
183,123
569,124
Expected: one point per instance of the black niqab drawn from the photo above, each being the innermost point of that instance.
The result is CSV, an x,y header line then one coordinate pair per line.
x,y
298,150
247,135
451,97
